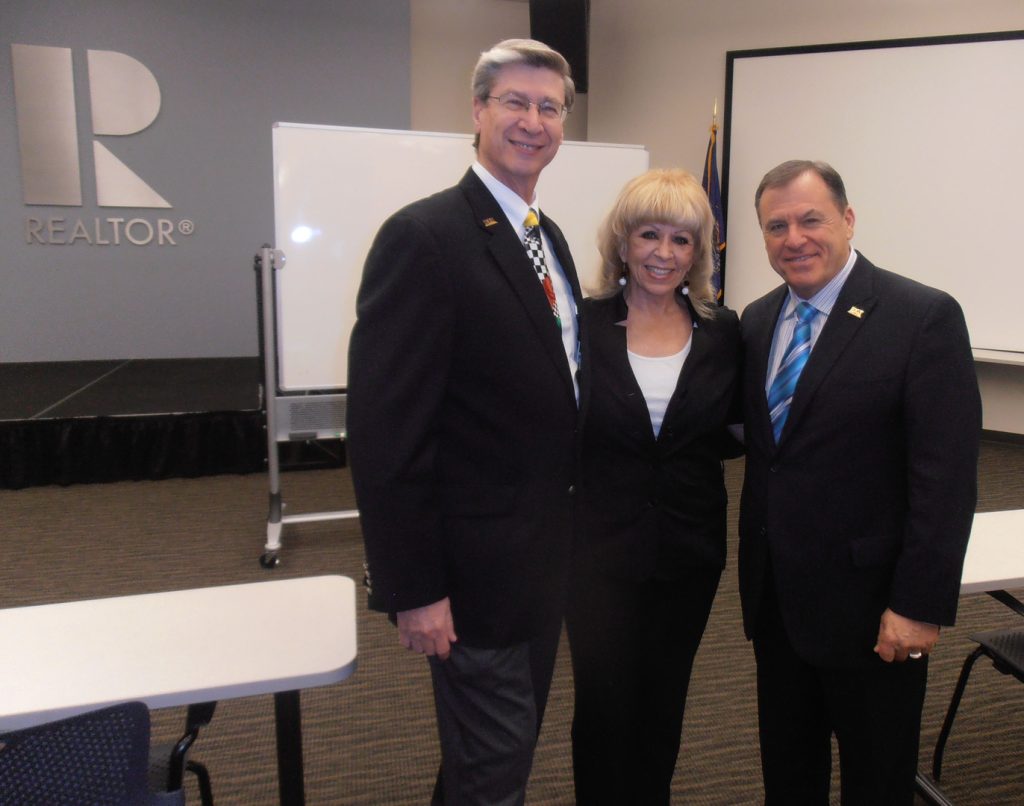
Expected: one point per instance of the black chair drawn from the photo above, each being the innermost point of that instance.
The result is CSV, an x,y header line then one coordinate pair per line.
x,y
168,762
99,758
1006,650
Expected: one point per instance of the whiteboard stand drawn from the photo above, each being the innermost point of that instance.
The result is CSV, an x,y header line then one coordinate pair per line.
x,y
290,418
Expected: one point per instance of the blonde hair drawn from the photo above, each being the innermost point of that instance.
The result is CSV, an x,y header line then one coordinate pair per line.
x,y
660,196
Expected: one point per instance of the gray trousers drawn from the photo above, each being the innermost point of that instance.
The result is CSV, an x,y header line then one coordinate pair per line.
x,y
490,704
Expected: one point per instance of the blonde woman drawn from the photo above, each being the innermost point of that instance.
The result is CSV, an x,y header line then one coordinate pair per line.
x,y
664,361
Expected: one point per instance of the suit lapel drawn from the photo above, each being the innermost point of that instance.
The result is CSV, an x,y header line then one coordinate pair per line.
x,y
616,353
564,258
843,324
760,329
701,342
511,259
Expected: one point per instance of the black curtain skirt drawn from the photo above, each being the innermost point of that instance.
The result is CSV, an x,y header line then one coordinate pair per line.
x,y
120,448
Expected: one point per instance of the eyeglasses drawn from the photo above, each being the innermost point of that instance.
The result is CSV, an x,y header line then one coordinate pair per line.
x,y
516,103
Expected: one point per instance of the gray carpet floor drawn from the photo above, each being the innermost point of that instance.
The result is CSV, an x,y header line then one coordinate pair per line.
x,y
371,739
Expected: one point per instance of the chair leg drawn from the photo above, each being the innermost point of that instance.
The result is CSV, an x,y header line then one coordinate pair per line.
x,y
176,766
947,725
203,778
199,715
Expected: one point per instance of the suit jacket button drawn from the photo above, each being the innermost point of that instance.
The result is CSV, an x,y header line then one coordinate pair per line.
x,y
572,489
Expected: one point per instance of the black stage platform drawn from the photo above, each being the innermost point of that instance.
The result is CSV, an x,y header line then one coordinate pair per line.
x,y
86,421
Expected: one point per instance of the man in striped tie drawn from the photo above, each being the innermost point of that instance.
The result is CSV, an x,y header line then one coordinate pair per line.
x,y
862,421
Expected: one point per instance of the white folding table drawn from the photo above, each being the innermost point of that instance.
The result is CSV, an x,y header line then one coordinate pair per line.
x,y
994,563
995,553
179,648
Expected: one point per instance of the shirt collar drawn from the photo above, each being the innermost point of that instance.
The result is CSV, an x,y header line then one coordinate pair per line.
x,y
826,298
512,205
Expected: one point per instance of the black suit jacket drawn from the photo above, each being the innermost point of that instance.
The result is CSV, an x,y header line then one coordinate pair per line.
x,y
462,419
656,506
867,501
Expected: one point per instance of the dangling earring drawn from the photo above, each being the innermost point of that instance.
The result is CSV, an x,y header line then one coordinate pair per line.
x,y
684,289
622,279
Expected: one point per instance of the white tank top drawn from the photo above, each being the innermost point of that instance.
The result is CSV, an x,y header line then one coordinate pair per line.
x,y
657,378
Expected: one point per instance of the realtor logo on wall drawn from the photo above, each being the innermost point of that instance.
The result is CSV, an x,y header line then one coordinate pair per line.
x,y
125,99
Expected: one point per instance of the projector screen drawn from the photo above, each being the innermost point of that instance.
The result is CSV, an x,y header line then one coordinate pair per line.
x,y
928,135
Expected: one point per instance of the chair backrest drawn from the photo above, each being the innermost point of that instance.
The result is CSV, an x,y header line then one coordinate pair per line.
x,y
98,758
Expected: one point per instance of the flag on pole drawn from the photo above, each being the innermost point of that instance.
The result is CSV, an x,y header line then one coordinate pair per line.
x,y
711,187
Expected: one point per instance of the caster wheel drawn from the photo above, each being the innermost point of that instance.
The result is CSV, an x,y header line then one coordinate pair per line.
x,y
270,560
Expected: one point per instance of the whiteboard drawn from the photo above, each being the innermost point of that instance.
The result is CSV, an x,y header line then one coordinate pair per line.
x,y
927,135
333,188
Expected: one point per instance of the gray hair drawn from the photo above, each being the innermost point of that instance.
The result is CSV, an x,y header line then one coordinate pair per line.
x,y
528,52
784,173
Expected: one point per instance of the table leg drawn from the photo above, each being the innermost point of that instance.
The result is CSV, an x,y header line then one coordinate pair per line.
x,y
288,721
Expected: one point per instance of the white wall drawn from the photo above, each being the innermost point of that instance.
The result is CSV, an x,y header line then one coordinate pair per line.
x,y
658,66
447,39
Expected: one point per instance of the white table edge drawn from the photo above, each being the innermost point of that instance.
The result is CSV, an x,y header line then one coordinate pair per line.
x,y
12,720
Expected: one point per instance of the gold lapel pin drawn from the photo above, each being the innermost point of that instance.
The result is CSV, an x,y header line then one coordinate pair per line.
x,y
855,311
489,222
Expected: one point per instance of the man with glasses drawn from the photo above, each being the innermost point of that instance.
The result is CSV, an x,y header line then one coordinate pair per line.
x,y
464,402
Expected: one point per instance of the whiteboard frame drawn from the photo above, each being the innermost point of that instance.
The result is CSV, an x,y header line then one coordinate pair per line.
x,y
896,226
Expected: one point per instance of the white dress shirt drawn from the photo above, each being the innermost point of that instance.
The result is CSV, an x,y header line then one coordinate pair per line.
x,y
515,210
822,303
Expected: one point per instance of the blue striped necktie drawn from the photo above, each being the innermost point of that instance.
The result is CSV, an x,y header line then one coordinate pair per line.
x,y
780,395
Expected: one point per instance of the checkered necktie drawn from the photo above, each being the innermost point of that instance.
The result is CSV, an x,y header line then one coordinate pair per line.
x,y
535,252
780,395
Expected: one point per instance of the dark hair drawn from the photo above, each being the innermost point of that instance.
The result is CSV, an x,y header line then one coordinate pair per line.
x,y
784,173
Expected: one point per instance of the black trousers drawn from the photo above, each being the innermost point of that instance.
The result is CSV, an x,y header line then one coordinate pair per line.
x,y
874,712
632,645
490,704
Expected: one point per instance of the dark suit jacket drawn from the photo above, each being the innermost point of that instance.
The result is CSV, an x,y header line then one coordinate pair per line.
x,y
462,419
657,506
867,501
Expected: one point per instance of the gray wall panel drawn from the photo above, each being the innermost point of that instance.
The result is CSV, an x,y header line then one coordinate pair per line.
x,y
226,71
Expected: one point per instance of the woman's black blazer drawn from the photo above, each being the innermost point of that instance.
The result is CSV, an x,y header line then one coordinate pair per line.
x,y
656,506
